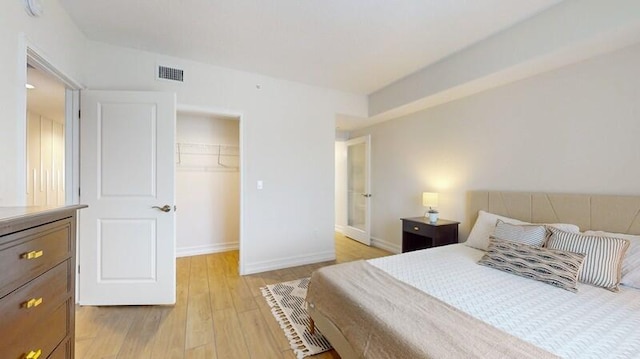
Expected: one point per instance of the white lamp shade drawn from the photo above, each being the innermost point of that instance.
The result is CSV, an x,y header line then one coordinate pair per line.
x,y
429,199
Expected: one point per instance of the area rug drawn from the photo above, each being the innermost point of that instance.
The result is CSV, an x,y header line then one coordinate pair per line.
x,y
289,308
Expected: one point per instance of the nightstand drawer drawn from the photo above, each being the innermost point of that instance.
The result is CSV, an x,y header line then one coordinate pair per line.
x,y
417,228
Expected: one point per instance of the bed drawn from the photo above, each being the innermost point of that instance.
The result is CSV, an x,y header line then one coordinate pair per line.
x,y
439,303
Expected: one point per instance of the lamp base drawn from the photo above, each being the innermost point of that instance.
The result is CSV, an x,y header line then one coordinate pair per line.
x,y
433,217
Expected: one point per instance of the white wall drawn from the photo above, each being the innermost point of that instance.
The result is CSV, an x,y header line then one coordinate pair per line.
x,y
56,38
571,130
287,141
207,195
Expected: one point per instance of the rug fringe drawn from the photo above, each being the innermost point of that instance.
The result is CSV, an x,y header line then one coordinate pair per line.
x,y
295,341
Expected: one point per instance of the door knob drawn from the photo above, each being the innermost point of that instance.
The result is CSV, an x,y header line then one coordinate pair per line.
x,y
165,208
366,195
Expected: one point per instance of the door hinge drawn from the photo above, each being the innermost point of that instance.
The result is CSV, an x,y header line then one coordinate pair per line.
x,y
78,269
79,114
79,192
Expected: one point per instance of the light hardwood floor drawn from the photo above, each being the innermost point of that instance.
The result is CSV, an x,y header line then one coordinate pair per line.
x,y
218,314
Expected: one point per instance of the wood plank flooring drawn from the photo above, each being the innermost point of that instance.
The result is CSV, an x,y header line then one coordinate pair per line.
x,y
218,314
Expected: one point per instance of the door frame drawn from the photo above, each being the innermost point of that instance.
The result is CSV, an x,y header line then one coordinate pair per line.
x,y
33,56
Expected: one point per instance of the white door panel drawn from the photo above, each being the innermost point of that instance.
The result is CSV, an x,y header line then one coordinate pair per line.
x,y
127,247
358,189
136,176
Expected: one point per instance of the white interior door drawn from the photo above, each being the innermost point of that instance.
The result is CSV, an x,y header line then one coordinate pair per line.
x,y
359,189
126,246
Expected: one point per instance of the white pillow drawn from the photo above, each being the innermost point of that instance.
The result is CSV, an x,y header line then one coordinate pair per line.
x,y
631,262
484,227
486,224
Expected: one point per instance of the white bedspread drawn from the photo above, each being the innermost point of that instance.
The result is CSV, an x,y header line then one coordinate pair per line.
x,y
593,323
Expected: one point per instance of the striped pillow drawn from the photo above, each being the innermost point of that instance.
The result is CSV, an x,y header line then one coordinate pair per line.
x,y
631,261
530,234
555,267
604,255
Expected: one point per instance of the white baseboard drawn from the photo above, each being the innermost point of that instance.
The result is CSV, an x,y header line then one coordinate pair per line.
x,y
387,246
339,228
206,249
264,266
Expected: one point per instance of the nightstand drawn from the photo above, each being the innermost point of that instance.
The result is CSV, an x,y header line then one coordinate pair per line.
x,y
419,233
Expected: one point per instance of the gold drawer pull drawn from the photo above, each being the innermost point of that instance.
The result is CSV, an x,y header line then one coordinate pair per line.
x,y
34,354
416,228
32,255
31,303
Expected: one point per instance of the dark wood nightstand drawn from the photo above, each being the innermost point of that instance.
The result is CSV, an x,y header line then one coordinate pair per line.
x,y
419,233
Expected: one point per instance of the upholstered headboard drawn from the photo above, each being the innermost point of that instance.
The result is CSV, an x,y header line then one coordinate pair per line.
x,y
620,214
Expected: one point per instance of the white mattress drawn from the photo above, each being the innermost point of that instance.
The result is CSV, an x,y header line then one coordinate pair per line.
x,y
593,323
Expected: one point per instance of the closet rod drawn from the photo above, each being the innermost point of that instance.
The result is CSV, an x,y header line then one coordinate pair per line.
x,y
207,149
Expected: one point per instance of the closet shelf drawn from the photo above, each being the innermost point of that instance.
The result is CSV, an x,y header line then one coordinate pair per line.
x,y
187,168
207,157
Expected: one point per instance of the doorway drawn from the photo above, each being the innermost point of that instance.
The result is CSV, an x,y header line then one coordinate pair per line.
x,y
51,132
207,183
358,163
45,139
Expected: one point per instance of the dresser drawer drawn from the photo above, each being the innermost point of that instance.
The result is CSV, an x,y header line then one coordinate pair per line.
x,y
63,351
34,252
24,308
45,336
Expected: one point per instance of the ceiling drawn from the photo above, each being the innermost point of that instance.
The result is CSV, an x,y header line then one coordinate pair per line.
x,y
48,97
351,45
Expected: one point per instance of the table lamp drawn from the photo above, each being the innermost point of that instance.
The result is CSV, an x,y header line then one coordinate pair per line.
x,y
430,199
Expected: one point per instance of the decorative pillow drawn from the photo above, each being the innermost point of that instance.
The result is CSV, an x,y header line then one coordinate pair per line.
x,y
555,267
567,227
483,229
631,261
486,223
603,261
533,235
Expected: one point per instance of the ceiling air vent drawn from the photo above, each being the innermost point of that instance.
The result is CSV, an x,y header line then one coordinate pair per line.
x,y
170,73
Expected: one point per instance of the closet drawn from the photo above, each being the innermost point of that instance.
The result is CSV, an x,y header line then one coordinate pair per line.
x,y
207,183
45,139
45,160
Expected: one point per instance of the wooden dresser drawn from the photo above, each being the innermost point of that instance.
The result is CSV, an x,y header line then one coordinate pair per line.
x,y
37,282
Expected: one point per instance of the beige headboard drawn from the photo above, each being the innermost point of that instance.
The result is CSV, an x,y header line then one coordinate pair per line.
x,y
620,214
